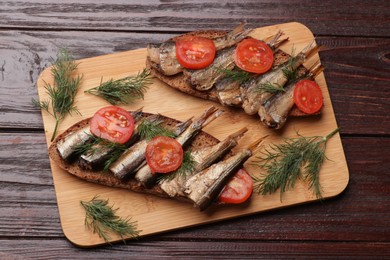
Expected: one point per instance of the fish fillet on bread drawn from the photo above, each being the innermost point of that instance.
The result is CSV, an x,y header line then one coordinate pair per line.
x,y
181,83
200,140
108,179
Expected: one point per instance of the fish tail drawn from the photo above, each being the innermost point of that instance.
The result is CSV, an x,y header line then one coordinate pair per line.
x,y
181,127
255,146
137,114
238,29
237,135
311,49
207,117
214,116
154,117
239,32
316,69
275,42
280,43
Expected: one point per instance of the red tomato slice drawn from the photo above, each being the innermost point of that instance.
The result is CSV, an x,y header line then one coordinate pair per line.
x,y
254,56
308,96
194,52
238,189
164,154
113,124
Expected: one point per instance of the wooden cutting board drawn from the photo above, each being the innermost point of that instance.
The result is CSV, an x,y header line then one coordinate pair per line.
x,y
153,214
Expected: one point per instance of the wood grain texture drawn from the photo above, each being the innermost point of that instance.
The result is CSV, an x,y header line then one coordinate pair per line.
x,y
353,81
146,209
330,18
29,210
354,225
24,55
355,78
194,250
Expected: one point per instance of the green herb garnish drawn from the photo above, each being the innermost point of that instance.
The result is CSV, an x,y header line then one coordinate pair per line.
x,y
114,155
94,145
102,219
270,88
125,90
148,129
237,74
62,93
289,72
296,158
187,166
97,144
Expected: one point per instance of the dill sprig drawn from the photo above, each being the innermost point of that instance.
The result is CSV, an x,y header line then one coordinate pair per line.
x,y
97,145
148,129
62,93
125,90
187,166
270,88
289,72
102,219
236,74
296,158
114,155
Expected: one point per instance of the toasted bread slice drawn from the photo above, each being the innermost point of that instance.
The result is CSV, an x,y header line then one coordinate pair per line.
x,y
106,178
180,83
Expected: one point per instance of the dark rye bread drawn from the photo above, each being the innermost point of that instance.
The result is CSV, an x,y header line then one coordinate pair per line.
x,y
106,178
179,81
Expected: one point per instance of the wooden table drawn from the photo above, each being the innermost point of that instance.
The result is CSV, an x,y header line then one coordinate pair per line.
x,y
356,34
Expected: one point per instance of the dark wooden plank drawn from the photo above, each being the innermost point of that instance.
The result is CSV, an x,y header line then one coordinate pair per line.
x,y
354,225
27,197
361,213
335,17
24,160
357,73
24,55
60,249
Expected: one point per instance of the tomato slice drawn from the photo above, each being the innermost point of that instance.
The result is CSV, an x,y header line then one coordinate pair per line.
x,y
164,154
113,124
195,52
308,96
254,56
238,189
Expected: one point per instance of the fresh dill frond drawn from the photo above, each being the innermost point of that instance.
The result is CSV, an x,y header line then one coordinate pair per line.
x,y
270,88
236,74
87,147
125,90
102,219
97,145
114,155
148,129
187,166
62,93
42,105
295,158
289,72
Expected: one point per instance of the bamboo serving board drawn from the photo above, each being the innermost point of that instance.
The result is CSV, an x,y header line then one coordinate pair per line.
x,y
152,214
